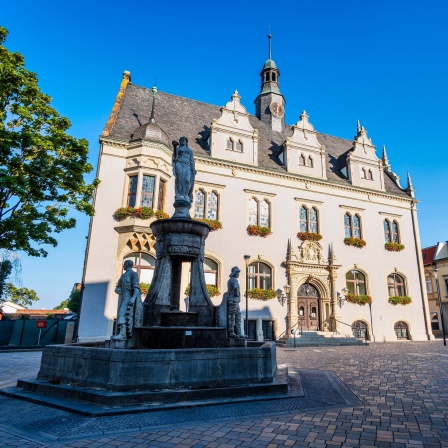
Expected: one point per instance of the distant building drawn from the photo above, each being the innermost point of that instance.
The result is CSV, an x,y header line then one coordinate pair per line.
x,y
435,259
257,175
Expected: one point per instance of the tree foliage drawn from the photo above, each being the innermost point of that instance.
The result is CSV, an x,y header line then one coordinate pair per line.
x,y
42,168
72,303
20,296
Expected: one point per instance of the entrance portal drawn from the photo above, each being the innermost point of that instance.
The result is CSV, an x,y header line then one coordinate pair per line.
x,y
308,307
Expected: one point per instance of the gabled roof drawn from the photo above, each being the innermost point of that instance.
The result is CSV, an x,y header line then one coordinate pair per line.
x,y
428,255
179,116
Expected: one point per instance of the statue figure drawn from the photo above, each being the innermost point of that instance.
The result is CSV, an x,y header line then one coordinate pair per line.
x,y
184,171
128,290
233,305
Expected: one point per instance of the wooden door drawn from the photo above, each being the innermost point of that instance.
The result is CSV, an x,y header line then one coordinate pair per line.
x,y
308,307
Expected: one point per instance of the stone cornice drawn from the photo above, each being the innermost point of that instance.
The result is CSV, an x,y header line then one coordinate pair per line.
x,y
261,193
390,214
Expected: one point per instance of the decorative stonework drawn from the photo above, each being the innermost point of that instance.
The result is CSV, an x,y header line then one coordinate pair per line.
x,y
141,242
311,252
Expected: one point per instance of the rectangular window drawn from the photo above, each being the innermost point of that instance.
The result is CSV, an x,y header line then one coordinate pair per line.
x,y
445,279
132,191
264,214
199,205
148,191
212,206
253,212
161,198
429,285
347,225
268,330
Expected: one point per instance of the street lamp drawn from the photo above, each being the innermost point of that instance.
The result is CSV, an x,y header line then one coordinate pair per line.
x,y
246,323
435,271
342,297
284,295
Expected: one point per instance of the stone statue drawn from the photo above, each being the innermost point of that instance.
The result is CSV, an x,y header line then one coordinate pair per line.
x,y
184,172
128,290
233,305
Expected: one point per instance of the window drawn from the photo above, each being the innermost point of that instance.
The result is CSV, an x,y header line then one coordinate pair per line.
x,y
273,77
391,234
363,173
259,276
370,175
239,146
268,77
267,327
311,161
301,311
210,272
435,322
359,330
199,204
356,282
144,265
206,205
352,226
395,285
401,330
132,191
148,191
302,160
445,280
161,198
429,285
229,144
259,213
308,220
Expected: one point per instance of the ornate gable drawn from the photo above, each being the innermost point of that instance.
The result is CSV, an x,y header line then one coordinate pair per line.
x,y
232,137
304,154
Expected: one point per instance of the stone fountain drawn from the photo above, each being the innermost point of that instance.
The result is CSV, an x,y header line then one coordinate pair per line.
x,y
161,354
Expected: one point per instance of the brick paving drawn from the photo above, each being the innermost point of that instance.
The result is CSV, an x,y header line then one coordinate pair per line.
x,y
404,388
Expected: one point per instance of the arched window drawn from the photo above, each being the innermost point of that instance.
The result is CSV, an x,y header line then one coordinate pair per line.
x,y
310,161
363,173
348,225
212,206
386,231
259,275
356,226
401,330
396,285
359,330
199,204
239,146
210,272
303,219
264,214
268,76
301,311
273,77
435,322
395,234
356,282
144,265
253,212
302,160
370,175
313,311
230,144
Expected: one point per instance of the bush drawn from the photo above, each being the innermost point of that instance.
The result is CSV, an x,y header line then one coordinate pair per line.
x,y
254,230
309,236
261,294
394,247
356,242
400,300
358,299
140,213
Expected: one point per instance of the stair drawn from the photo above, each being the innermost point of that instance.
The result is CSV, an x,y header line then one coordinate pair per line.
x,y
319,339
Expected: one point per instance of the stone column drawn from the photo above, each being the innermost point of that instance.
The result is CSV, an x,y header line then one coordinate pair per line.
x,y
292,316
335,316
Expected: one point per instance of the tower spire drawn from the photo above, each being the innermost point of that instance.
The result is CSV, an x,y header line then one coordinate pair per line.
x,y
269,40
154,91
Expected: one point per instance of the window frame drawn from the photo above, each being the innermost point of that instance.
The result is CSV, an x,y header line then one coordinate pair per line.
x,y
395,285
357,282
208,190
138,267
308,221
259,276
351,226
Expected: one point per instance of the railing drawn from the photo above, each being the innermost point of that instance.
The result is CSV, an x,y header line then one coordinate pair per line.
x,y
296,324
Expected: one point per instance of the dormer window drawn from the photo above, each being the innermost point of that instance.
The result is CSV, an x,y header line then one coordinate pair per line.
x,y
239,146
370,175
229,145
363,173
311,161
302,160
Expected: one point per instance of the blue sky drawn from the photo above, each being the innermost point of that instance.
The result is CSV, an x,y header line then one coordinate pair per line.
x,y
382,62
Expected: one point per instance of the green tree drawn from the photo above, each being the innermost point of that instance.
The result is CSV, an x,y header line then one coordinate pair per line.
x,y
72,303
42,168
20,296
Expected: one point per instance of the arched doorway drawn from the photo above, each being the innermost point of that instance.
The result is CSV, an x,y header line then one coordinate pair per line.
x,y
308,307
401,330
360,330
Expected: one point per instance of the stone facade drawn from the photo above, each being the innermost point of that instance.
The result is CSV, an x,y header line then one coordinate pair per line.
x,y
257,171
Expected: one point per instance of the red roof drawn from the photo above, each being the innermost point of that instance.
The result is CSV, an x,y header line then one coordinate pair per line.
x,y
428,255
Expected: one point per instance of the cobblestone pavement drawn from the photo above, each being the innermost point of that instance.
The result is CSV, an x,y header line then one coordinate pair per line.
x,y
404,388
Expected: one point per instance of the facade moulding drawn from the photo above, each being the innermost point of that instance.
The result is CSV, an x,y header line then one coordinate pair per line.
x,y
208,184
309,201
349,207
390,214
262,193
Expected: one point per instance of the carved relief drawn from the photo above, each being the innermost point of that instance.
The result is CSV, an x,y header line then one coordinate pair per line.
x,y
308,290
311,252
141,242
183,250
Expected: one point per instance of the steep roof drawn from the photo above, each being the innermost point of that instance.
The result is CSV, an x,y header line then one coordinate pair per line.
x,y
179,116
428,255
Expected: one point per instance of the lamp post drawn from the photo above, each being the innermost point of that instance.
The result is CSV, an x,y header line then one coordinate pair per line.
x,y
435,271
246,323
342,297
285,294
